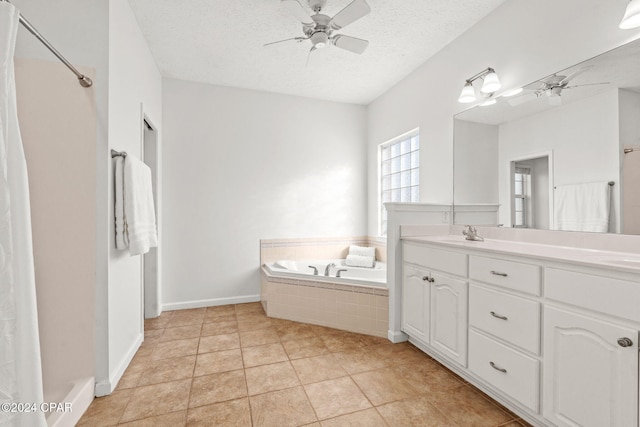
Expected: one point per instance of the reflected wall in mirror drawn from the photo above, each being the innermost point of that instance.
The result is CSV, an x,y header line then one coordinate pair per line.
x,y
564,154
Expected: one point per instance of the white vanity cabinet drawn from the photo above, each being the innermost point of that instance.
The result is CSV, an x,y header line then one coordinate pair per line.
x,y
555,339
434,303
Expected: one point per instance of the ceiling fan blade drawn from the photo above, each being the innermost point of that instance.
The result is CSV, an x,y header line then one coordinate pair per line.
x,y
539,85
587,84
299,39
352,44
354,11
574,74
295,8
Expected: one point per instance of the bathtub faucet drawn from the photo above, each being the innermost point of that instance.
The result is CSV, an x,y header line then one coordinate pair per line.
x,y
315,270
340,271
326,270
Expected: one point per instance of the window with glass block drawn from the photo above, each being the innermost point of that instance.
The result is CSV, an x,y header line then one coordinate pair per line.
x,y
399,173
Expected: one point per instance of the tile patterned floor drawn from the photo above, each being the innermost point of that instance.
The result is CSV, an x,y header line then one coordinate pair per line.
x,y
234,366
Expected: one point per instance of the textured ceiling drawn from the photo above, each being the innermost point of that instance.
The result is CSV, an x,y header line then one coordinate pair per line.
x,y
221,42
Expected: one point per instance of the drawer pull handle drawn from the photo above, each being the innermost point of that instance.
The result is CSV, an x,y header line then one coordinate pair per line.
x,y
497,368
497,316
625,342
497,273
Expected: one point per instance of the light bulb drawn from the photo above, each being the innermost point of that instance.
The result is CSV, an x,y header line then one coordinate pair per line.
x,y
491,82
631,17
468,94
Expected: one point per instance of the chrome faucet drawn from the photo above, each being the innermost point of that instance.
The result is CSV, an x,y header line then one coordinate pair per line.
x,y
472,234
326,270
340,271
315,270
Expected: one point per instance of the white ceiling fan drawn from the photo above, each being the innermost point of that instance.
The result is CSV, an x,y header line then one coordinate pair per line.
x,y
320,28
552,87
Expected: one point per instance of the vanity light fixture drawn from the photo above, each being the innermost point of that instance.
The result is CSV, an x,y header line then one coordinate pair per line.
x,y
490,84
488,102
631,18
512,92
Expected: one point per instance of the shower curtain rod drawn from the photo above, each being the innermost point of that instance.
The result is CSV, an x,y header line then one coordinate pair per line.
x,y
82,79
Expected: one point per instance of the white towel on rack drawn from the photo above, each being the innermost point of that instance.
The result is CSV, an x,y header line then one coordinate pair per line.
x,y
139,211
122,241
582,207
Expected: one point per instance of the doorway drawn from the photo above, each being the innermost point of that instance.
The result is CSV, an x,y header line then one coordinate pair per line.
x,y
531,191
150,260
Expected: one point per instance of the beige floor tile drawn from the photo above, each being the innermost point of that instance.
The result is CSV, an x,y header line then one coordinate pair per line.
x,y
221,309
341,342
174,419
468,408
265,378
336,397
263,355
318,368
215,388
219,316
179,348
131,377
254,324
157,399
218,361
361,360
184,319
107,410
296,332
157,322
259,337
181,333
282,408
218,342
428,377
143,355
250,307
366,418
219,328
383,386
305,347
233,413
152,337
160,371
415,412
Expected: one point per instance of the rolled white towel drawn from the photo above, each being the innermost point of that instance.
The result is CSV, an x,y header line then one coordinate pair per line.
x,y
359,261
362,251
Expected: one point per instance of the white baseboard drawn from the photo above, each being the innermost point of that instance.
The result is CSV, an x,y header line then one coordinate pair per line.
x,y
397,336
210,302
104,388
80,397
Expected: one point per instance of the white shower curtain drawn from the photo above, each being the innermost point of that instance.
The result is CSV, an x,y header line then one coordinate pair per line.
x,y
20,366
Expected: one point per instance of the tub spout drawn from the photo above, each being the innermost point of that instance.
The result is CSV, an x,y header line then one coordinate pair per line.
x,y
339,271
315,270
326,270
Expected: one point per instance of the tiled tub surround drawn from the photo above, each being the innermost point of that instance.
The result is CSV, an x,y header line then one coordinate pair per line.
x,y
551,330
234,366
356,308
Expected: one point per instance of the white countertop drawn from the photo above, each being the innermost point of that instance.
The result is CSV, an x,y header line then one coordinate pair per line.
x,y
620,261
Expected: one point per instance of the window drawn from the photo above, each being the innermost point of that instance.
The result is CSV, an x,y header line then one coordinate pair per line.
x,y
521,191
399,173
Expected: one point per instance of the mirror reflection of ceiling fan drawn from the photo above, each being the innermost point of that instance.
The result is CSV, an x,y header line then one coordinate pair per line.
x,y
320,29
551,88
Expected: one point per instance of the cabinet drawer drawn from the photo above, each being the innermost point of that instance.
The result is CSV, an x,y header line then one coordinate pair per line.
x,y
611,296
521,379
512,275
447,261
514,319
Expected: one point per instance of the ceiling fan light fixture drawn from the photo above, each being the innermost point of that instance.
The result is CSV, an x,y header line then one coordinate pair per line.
x,y
468,94
631,18
319,39
512,92
491,82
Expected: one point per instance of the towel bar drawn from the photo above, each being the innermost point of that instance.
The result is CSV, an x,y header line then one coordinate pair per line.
x,y
115,153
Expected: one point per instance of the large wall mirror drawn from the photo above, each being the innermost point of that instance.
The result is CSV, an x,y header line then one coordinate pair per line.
x,y
564,154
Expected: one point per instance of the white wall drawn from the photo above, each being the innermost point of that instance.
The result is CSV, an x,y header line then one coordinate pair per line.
x,y
135,85
242,165
583,136
476,167
522,41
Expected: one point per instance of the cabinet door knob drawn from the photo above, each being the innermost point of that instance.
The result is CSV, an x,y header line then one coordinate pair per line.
x,y
625,342
425,279
497,316
497,368
497,273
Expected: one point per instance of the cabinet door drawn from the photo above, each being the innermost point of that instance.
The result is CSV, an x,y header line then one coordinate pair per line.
x,y
415,303
449,317
589,378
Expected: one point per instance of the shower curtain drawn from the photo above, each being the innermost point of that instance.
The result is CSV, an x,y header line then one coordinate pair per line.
x,y
20,366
